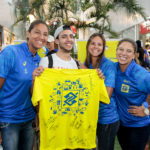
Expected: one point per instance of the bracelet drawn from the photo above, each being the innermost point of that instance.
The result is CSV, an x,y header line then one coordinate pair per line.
x,y
146,111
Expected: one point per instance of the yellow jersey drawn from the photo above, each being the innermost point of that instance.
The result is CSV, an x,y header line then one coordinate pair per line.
x,y
68,107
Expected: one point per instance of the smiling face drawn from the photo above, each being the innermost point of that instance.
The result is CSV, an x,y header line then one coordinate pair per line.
x,y
125,54
95,50
37,37
65,41
95,47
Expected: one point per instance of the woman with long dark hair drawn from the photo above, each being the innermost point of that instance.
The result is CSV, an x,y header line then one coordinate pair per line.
x,y
108,121
17,63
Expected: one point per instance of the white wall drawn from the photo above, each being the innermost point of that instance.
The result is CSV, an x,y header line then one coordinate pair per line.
x,y
7,18
121,20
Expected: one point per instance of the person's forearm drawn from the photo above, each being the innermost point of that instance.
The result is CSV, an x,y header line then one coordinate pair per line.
x,y
31,89
2,80
109,91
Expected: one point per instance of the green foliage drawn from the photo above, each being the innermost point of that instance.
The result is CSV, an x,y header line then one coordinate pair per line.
x,y
59,11
37,6
131,6
103,8
53,27
85,4
23,9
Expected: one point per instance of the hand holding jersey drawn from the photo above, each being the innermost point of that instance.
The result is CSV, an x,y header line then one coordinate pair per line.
x,y
64,131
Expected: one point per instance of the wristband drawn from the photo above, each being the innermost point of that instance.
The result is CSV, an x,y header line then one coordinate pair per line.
x,y
146,111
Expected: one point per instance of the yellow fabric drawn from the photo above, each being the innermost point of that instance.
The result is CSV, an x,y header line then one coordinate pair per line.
x,y
68,107
81,48
110,51
42,52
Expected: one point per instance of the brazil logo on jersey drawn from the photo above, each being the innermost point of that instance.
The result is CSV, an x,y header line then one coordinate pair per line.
x,y
69,97
125,88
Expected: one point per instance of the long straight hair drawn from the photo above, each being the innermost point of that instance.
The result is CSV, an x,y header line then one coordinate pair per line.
x,y
88,56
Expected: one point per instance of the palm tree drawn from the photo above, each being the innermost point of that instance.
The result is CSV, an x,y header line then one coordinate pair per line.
x,y
60,9
23,8
102,8
95,12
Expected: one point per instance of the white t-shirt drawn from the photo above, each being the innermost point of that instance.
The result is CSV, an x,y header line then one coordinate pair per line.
x,y
58,63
